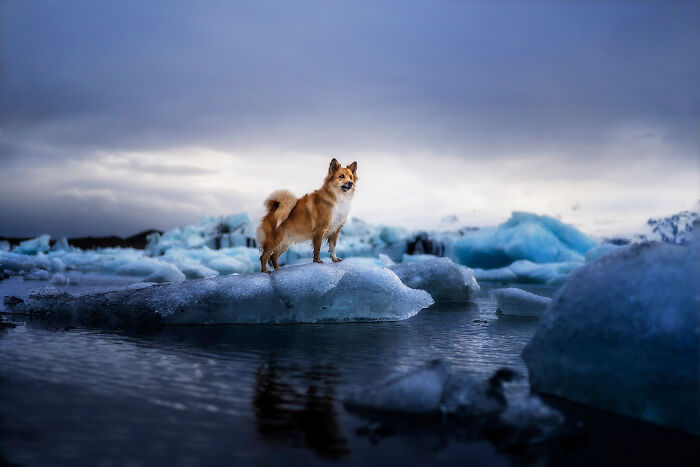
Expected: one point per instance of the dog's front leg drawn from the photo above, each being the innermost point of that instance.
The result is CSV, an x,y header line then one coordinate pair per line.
x,y
332,241
318,240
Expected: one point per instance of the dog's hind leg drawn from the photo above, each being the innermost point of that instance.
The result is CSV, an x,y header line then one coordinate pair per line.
x,y
317,241
276,255
264,258
272,243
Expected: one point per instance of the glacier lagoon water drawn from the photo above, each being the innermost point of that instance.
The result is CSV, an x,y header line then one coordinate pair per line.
x,y
267,394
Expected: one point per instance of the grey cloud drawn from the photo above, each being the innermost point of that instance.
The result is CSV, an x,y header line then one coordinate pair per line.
x,y
477,80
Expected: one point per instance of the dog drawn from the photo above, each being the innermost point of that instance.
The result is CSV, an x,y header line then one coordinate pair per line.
x,y
314,216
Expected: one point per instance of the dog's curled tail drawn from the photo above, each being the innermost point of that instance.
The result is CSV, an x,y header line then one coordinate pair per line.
x,y
279,205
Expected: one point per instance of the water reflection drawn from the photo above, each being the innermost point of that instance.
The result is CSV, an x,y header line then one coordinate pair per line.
x,y
307,416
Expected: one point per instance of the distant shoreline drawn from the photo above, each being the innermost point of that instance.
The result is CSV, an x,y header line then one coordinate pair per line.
x,y
137,241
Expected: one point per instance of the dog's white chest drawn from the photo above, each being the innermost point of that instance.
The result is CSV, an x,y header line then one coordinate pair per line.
x,y
340,213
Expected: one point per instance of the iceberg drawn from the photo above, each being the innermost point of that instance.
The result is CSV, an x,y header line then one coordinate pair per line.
x,y
309,293
61,245
435,390
34,246
525,236
213,232
518,302
441,277
18,263
4,245
623,334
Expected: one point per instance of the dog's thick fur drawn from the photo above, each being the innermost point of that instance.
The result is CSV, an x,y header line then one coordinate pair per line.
x,y
314,216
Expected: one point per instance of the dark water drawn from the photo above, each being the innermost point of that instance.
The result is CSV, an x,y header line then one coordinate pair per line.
x,y
261,394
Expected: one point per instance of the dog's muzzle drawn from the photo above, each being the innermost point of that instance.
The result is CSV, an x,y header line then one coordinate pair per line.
x,y
346,186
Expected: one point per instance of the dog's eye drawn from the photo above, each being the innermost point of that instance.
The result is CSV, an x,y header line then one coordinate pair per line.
x,y
342,176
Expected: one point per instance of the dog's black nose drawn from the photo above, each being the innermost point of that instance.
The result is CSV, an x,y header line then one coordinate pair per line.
x,y
349,184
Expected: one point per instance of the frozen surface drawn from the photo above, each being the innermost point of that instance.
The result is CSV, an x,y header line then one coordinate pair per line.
x,y
518,302
308,293
435,389
622,334
441,277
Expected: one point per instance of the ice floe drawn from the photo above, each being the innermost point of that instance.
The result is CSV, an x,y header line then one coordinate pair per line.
x,y
436,390
441,277
297,294
622,334
518,302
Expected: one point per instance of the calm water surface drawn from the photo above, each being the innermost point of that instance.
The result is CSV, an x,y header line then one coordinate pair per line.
x,y
242,394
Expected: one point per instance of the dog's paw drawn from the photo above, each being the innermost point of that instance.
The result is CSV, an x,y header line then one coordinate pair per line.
x,y
318,261
267,272
337,260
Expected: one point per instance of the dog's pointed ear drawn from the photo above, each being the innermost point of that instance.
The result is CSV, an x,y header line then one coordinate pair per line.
x,y
353,167
334,166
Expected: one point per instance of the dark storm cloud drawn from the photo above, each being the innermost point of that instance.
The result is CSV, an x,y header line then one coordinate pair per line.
x,y
428,74
483,79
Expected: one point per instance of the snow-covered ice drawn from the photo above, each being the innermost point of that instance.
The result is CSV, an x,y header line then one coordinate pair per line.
x,y
441,277
518,302
296,294
623,335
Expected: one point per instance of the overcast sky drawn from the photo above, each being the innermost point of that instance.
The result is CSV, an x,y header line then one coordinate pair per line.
x,y
117,116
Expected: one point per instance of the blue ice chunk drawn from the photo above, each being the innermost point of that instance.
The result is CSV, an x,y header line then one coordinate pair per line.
x,y
16,263
518,302
32,247
527,272
525,236
623,335
441,278
61,245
